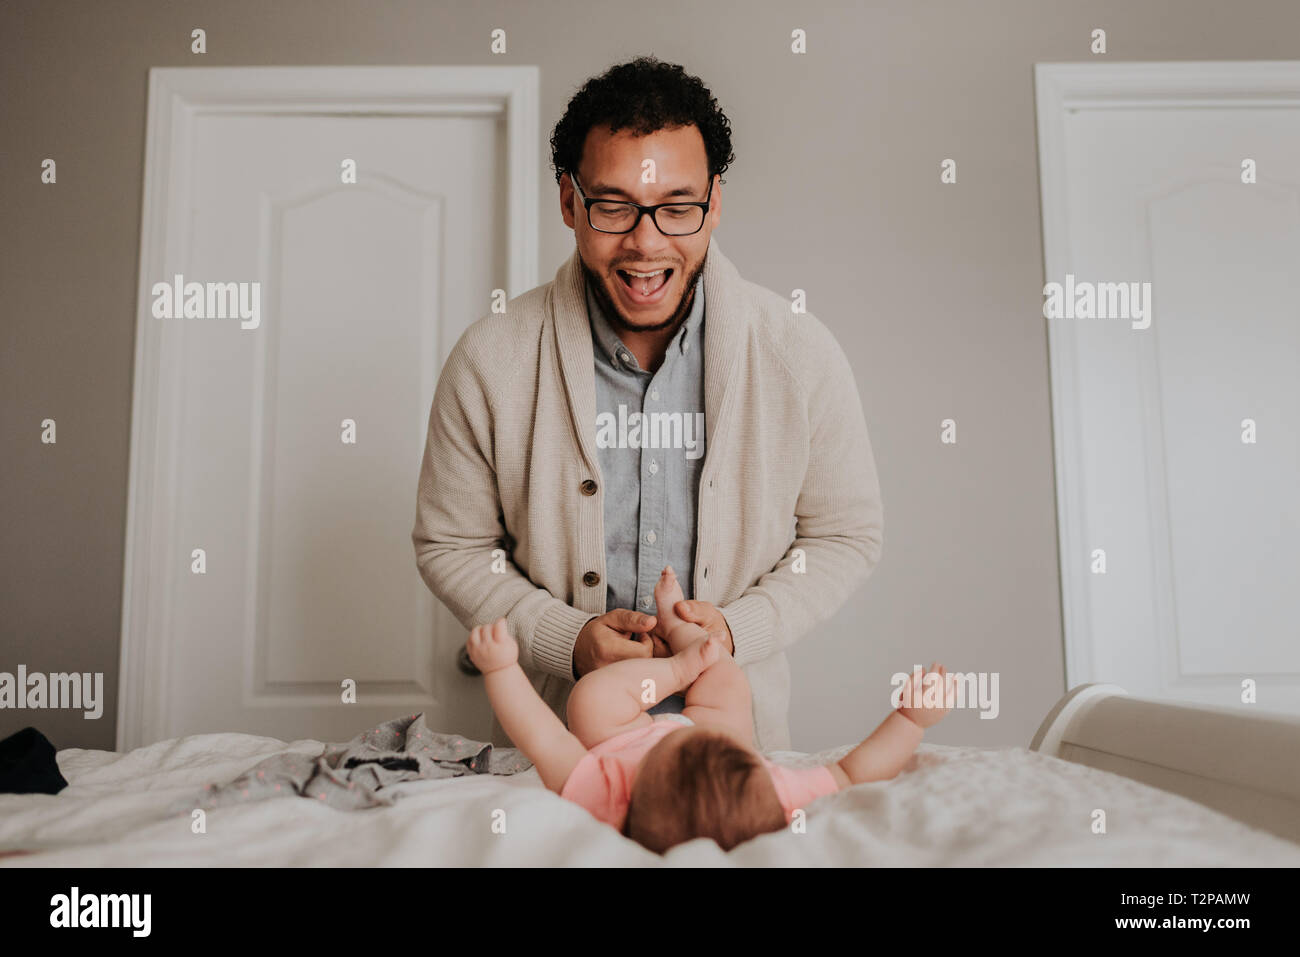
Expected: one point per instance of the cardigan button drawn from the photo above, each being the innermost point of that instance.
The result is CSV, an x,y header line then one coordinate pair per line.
x,y
588,487
591,578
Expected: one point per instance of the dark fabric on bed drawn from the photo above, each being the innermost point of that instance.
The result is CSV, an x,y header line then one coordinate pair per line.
x,y
28,765
355,775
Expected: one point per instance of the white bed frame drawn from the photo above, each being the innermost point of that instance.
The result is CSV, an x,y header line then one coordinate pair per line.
x,y
1241,762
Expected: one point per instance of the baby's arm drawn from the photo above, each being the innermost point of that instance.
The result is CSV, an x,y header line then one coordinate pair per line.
x,y
882,755
529,721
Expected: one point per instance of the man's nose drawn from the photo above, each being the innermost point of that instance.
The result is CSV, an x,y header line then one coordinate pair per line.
x,y
647,235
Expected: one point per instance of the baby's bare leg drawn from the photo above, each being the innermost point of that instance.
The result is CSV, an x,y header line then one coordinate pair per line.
x,y
721,699
614,699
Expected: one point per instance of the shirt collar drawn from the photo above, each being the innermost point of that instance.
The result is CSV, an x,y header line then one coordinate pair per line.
x,y
613,346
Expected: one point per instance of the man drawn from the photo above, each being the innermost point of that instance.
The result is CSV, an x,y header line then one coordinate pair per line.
x,y
648,407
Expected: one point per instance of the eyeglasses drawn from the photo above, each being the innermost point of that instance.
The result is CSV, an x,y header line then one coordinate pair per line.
x,y
615,216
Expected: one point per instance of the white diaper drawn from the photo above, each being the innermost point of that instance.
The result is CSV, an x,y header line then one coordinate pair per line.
x,y
672,716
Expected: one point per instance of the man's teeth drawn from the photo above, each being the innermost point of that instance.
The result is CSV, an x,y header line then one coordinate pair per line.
x,y
646,283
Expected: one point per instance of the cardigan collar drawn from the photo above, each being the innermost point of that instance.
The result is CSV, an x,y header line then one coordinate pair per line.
x,y
726,318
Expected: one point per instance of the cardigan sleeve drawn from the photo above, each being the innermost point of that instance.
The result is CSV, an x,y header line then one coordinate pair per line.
x,y
838,516
459,534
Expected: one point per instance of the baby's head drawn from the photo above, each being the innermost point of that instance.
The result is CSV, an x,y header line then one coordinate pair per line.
x,y
697,783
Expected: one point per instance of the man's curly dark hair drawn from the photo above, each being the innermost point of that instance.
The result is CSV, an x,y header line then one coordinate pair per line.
x,y
644,95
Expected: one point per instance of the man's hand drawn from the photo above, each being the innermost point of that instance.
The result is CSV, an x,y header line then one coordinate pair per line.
x,y
613,636
707,616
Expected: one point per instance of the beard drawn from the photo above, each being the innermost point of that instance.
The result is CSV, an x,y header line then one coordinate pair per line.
x,y
615,315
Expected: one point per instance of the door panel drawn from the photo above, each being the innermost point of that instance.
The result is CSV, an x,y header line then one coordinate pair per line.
x,y
1201,531
310,575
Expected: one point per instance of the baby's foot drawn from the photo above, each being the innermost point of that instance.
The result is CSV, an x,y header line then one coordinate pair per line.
x,y
690,663
677,631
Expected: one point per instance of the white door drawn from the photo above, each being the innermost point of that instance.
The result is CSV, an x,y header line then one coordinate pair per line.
x,y
310,585
1199,530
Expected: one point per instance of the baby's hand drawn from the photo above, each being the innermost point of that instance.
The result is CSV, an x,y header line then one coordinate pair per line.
x,y
913,702
492,647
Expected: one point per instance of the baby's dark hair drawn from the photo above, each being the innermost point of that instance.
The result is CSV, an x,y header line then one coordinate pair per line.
x,y
644,95
709,788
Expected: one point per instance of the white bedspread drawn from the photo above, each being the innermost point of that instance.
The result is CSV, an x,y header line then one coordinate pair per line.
x,y
950,806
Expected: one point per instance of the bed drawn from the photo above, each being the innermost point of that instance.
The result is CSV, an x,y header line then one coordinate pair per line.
x,y
1180,785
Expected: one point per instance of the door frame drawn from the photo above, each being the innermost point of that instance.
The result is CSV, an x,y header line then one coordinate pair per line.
x,y
1063,88
176,96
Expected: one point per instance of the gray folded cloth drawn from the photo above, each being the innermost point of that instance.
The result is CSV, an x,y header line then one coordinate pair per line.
x,y
353,775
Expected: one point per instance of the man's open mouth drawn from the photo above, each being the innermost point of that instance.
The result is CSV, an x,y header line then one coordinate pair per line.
x,y
645,282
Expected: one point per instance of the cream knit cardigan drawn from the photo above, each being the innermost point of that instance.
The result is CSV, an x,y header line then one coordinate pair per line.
x,y
790,514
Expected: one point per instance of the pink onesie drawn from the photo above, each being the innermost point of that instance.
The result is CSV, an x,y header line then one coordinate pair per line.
x,y
602,781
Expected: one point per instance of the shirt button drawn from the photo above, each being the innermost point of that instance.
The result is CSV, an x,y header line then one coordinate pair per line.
x,y
623,356
686,346
588,487
591,578
645,602
654,394
654,468
650,537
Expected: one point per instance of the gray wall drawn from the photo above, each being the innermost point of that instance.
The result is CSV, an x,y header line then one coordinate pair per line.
x,y
934,292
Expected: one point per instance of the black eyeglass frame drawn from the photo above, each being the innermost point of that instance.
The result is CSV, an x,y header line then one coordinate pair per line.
x,y
651,211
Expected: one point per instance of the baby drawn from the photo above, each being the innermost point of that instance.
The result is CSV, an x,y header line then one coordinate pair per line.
x,y
669,778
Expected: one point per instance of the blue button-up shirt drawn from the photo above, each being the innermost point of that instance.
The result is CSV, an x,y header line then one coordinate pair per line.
x,y
650,443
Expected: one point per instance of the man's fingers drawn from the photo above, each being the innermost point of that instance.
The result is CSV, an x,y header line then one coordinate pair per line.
x,y
610,638
686,609
621,648
625,619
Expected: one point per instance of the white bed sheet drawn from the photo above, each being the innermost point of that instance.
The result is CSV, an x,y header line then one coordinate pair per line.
x,y
951,806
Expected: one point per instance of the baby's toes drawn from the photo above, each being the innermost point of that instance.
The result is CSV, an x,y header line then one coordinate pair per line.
x,y
668,592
